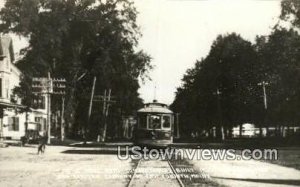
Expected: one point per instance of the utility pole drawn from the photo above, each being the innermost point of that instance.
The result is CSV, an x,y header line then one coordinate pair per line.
x,y
106,114
90,107
104,102
221,128
50,89
48,86
62,121
264,84
107,100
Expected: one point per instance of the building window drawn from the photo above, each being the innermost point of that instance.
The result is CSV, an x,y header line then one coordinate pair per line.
x,y
42,102
7,88
39,127
41,123
39,102
45,123
13,123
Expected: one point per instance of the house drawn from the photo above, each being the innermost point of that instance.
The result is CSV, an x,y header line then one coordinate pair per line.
x,y
14,121
248,130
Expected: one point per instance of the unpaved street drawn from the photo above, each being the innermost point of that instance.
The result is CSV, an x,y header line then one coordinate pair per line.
x,y
20,166
78,166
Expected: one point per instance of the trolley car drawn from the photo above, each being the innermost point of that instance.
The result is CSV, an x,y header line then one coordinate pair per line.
x,y
155,125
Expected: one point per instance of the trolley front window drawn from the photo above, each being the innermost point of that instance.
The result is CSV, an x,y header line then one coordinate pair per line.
x,y
166,121
154,122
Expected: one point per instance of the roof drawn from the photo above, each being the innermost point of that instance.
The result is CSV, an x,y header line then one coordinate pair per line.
x,y
155,108
15,69
10,105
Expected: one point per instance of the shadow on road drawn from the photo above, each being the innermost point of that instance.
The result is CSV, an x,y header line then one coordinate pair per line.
x,y
32,153
103,152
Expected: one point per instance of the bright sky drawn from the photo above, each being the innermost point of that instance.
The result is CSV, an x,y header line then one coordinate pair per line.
x,y
178,32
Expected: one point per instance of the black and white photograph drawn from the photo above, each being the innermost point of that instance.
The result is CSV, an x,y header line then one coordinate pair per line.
x,y
150,93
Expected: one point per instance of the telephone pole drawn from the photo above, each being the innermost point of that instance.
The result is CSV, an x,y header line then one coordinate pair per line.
x,y
90,108
107,101
48,86
106,104
62,121
49,91
264,84
220,116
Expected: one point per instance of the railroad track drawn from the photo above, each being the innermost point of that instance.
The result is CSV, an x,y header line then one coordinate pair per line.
x,y
175,173
155,173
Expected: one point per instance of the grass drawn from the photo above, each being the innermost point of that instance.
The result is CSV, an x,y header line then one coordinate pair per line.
x,y
288,156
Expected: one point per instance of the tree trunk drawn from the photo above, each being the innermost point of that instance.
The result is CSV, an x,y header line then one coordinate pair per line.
x,y
240,130
70,110
222,133
260,131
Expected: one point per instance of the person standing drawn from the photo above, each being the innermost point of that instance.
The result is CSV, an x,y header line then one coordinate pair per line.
x,y
42,144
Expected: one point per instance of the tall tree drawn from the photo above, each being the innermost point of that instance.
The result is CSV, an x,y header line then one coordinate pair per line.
x,y
278,55
219,90
77,40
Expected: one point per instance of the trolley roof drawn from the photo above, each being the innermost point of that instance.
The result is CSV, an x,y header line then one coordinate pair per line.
x,y
155,108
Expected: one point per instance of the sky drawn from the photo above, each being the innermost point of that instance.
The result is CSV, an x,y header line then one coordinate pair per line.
x,y
178,32
175,33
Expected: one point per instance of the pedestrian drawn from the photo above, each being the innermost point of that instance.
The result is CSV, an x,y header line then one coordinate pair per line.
x,y
42,144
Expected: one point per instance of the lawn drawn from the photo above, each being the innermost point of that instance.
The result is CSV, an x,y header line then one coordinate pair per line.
x,y
288,156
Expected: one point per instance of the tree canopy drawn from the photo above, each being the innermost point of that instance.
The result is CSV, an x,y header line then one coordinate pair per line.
x,y
220,88
226,87
77,40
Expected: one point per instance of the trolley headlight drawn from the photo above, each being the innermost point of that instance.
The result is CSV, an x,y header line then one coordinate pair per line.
x,y
167,135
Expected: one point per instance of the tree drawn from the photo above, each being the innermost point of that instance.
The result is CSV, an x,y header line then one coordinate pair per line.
x,y
290,11
219,90
78,40
278,55
222,89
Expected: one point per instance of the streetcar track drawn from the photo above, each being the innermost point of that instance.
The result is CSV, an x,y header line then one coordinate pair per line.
x,y
132,179
134,173
175,173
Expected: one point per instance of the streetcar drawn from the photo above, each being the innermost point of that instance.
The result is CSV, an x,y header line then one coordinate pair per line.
x,y
155,125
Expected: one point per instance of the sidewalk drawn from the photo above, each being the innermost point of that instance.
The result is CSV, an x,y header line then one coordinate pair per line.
x,y
248,173
93,144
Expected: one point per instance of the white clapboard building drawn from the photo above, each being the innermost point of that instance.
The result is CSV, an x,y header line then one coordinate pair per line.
x,y
14,121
